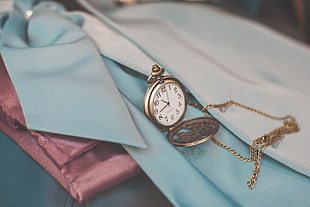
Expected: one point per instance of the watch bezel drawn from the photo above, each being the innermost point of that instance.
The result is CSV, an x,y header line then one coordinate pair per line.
x,y
149,97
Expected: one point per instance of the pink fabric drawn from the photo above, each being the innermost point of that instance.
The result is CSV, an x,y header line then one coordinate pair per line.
x,y
83,167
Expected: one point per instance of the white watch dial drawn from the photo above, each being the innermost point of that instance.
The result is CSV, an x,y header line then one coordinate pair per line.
x,y
169,104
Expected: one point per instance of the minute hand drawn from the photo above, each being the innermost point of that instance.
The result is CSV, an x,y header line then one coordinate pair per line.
x,y
167,96
164,107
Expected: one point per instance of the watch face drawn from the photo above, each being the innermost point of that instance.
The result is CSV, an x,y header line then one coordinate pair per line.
x,y
168,103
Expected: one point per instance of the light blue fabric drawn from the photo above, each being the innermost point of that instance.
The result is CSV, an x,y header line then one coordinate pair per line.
x,y
61,81
198,176
224,180
220,57
158,30
175,176
35,80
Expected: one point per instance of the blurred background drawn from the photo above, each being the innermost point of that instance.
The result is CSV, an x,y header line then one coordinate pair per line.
x,y
291,17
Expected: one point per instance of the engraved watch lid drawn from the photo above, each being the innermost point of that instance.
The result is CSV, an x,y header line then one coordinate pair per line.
x,y
193,131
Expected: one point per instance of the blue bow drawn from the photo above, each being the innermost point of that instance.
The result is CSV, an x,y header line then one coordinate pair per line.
x,y
61,80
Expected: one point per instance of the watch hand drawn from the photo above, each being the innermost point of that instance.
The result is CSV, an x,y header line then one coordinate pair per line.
x,y
164,107
167,96
167,102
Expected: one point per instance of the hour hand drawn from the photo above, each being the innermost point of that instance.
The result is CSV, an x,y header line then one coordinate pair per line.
x,y
166,102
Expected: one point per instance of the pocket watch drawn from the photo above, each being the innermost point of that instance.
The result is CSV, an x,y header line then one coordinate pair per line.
x,y
165,104
165,100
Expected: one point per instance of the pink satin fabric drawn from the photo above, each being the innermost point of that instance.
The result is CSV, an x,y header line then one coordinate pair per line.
x,y
83,167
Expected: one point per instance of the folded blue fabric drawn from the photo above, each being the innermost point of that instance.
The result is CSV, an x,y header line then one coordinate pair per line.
x,y
220,57
59,72
61,81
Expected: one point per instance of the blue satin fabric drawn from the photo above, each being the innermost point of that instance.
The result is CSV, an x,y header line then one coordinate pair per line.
x,y
220,57
61,75
223,183
61,53
50,58
213,65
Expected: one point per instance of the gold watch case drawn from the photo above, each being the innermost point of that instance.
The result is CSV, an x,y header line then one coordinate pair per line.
x,y
149,98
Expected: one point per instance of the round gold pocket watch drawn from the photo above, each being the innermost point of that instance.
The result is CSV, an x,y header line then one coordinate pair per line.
x,y
165,105
165,100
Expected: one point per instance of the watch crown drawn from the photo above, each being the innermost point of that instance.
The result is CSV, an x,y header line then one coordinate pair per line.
x,y
157,71
155,68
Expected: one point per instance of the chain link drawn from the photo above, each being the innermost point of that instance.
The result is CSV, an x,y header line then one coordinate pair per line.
x,y
258,145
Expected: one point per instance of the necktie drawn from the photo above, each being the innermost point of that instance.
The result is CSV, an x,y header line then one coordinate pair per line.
x,y
57,72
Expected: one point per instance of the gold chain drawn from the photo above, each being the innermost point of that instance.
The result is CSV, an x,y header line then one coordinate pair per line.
x,y
258,145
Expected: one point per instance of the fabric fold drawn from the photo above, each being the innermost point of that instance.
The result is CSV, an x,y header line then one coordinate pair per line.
x,y
217,64
59,60
83,167
188,177
206,173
